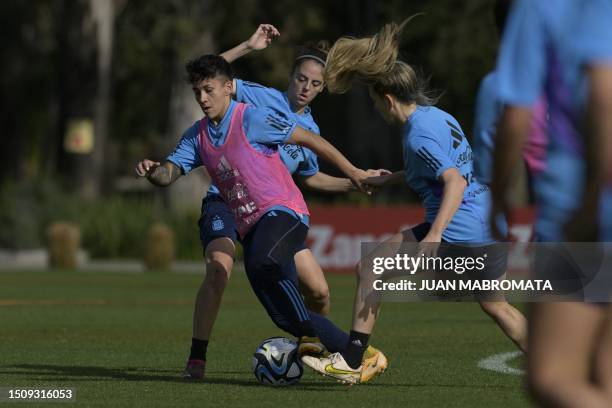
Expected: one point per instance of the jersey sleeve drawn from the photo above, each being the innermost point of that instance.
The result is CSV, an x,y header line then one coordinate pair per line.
x,y
257,95
310,165
429,153
267,126
521,65
593,38
186,154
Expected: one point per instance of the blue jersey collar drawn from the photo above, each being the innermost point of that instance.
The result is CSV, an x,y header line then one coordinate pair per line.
x,y
306,109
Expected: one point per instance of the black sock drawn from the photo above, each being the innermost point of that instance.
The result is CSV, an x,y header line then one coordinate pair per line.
x,y
198,349
306,329
357,345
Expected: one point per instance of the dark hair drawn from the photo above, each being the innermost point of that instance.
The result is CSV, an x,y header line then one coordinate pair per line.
x,y
310,50
502,8
208,66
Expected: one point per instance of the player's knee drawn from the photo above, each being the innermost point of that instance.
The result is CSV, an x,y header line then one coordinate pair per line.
x,y
217,275
318,299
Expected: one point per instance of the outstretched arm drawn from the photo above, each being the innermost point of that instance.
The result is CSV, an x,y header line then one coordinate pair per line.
x,y
329,153
454,186
326,183
386,179
512,135
161,175
261,38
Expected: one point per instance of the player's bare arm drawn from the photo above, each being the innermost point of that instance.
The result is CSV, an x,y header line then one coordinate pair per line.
x,y
259,40
159,174
386,178
511,137
452,195
324,182
329,153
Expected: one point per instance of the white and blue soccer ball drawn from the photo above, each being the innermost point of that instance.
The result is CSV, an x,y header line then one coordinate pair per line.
x,y
276,362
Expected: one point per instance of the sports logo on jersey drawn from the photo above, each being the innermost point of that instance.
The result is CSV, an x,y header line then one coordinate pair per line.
x,y
278,123
455,134
225,170
217,224
429,159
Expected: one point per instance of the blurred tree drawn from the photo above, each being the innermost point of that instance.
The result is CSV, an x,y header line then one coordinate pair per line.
x,y
62,60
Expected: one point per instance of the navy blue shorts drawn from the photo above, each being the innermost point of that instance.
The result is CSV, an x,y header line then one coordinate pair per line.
x,y
216,220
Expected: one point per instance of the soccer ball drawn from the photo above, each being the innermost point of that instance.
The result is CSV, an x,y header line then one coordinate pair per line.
x,y
276,362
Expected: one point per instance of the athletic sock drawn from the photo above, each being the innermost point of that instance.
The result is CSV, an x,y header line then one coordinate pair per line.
x,y
331,336
198,349
357,345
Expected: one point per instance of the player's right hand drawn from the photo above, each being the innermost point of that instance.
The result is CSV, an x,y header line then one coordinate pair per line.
x,y
145,167
358,177
262,37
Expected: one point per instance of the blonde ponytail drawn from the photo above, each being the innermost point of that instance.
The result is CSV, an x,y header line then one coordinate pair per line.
x,y
373,61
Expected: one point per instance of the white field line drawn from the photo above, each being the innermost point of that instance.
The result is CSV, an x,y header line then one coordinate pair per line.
x,y
497,362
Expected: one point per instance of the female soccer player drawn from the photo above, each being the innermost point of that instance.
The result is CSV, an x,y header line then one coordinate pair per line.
x,y
238,144
486,119
438,164
217,226
563,51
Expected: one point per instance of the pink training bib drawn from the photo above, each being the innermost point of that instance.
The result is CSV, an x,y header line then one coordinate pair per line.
x,y
250,182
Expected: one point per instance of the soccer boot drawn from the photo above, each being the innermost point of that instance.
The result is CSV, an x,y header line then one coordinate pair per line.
x,y
195,369
373,364
311,346
334,366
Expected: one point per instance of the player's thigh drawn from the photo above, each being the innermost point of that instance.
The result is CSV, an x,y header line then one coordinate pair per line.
x,y
217,234
274,240
400,242
311,277
562,339
391,246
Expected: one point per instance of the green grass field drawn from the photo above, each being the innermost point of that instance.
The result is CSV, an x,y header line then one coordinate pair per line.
x,y
122,339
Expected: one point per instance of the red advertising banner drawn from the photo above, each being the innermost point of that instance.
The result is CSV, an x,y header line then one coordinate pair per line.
x,y
336,233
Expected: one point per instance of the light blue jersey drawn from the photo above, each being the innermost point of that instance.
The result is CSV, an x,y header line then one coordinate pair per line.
x,y
265,129
433,143
299,160
489,108
545,47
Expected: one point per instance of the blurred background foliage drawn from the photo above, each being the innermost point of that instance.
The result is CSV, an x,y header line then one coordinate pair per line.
x,y
54,69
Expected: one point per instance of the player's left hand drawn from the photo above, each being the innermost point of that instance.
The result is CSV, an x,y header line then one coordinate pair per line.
x,y
430,244
262,37
498,207
378,178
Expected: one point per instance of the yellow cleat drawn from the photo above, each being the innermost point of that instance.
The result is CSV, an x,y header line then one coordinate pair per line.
x,y
373,364
311,346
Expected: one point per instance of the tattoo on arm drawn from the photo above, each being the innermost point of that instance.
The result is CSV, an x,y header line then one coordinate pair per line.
x,y
165,174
